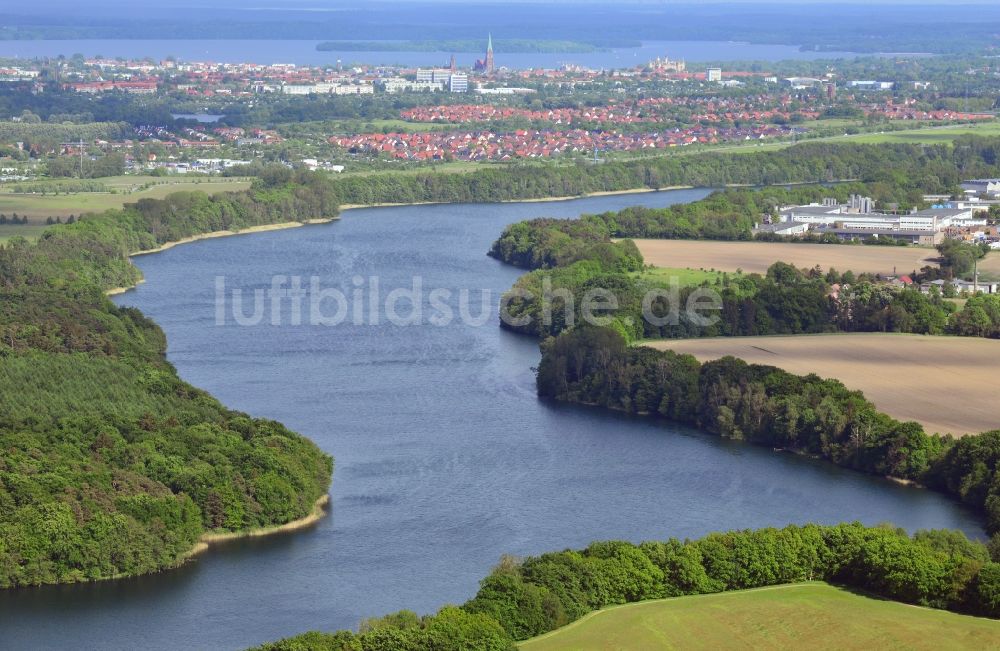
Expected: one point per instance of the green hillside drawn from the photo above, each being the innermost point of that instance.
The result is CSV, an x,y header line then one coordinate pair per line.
x,y
803,615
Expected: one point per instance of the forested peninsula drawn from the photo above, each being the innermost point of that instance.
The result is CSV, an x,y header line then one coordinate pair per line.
x,y
112,465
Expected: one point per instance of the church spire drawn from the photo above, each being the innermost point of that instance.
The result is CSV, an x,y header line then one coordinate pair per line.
x,y
488,65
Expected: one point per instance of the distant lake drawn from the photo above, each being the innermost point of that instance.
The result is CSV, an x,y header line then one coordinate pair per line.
x,y
305,53
445,457
205,118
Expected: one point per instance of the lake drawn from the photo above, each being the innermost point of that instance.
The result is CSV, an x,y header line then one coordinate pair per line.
x,y
204,118
445,458
305,53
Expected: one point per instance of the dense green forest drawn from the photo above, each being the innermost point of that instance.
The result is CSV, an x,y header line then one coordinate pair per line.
x,y
522,598
895,173
112,465
29,131
768,406
571,258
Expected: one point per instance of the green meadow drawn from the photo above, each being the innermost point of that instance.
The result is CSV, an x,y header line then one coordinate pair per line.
x,y
795,616
126,189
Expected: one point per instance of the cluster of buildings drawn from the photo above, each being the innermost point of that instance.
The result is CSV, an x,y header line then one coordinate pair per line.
x,y
650,110
246,79
136,87
757,108
858,220
339,87
522,143
197,138
429,80
906,110
200,165
464,113
17,73
666,65
989,188
962,286
871,84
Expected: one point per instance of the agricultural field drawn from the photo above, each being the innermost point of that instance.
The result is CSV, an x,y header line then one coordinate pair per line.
x,y
947,384
756,257
801,615
127,189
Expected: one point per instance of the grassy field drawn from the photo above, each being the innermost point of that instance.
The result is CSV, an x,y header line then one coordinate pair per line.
x,y
948,384
989,267
684,276
756,257
127,190
450,167
797,616
928,136
920,135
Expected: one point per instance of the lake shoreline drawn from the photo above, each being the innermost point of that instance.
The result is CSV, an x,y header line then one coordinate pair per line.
x,y
262,228
588,195
208,539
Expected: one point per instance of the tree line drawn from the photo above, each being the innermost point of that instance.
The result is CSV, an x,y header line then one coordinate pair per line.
x,y
522,598
769,406
895,172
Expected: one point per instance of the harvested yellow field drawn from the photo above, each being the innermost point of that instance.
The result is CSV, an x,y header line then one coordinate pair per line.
x,y
756,257
951,385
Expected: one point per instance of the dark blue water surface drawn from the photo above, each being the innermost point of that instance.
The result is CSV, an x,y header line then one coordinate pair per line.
x,y
445,457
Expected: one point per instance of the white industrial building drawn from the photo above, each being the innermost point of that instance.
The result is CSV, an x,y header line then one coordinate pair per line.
x,y
800,83
871,84
988,187
429,80
458,82
328,88
857,219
